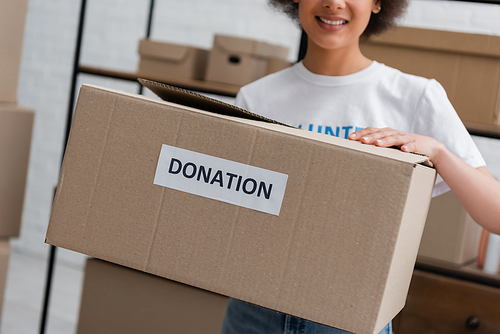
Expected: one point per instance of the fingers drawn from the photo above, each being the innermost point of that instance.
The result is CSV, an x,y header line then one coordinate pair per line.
x,y
407,142
391,139
363,132
371,135
382,137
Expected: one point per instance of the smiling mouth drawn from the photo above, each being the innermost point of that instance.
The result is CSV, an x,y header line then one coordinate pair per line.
x,y
333,23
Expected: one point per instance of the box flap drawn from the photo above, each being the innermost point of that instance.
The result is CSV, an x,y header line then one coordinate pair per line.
x,y
194,100
167,51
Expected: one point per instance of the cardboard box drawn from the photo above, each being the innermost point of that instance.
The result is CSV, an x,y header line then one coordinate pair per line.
x,y
16,125
315,226
12,19
275,65
4,267
239,61
118,300
450,235
467,65
172,60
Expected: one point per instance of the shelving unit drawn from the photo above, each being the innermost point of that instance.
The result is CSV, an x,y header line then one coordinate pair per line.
x,y
196,85
468,273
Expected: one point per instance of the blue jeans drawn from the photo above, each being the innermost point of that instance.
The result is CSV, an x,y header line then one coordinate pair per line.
x,y
243,318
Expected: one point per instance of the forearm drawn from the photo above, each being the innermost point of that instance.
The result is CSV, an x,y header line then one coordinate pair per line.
x,y
476,189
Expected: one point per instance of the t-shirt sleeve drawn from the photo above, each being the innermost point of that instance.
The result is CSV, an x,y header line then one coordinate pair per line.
x,y
436,117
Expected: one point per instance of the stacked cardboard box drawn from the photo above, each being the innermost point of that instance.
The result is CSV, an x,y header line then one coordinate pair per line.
x,y
217,198
15,130
172,60
12,18
15,122
467,65
118,300
232,60
15,140
239,61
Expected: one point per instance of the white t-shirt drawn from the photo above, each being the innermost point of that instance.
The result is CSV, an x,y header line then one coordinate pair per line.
x,y
378,96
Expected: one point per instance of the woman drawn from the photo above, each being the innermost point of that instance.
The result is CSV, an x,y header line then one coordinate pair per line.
x,y
337,87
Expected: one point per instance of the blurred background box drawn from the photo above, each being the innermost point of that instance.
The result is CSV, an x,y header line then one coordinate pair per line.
x,y
12,19
275,65
16,124
467,65
239,61
117,300
450,235
172,60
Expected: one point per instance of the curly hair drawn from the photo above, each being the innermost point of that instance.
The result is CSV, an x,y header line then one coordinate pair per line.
x,y
391,11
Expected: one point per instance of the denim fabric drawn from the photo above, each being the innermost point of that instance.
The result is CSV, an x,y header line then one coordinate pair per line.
x,y
243,318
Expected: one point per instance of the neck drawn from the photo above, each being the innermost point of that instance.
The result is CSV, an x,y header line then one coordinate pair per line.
x,y
335,62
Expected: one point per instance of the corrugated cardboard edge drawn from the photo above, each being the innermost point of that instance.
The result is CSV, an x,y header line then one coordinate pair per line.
x,y
405,252
190,99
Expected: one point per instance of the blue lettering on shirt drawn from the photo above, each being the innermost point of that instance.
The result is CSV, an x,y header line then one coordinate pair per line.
x,y
335,131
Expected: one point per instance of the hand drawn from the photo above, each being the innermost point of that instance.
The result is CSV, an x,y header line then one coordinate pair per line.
x,y
476,189
407,142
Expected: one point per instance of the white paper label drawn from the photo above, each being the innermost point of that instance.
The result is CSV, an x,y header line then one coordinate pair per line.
x,y
223,180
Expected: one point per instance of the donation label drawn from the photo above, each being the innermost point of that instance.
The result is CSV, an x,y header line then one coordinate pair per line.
x,y
220,179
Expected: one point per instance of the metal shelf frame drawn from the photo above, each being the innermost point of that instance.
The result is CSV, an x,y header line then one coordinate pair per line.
x,y
69,119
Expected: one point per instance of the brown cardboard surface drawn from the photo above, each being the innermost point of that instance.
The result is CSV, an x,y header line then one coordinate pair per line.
x,y
450,236
275,65
191,99
12,18
16,125
239,61
4,267
172,60
118,300
467,65
338,252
